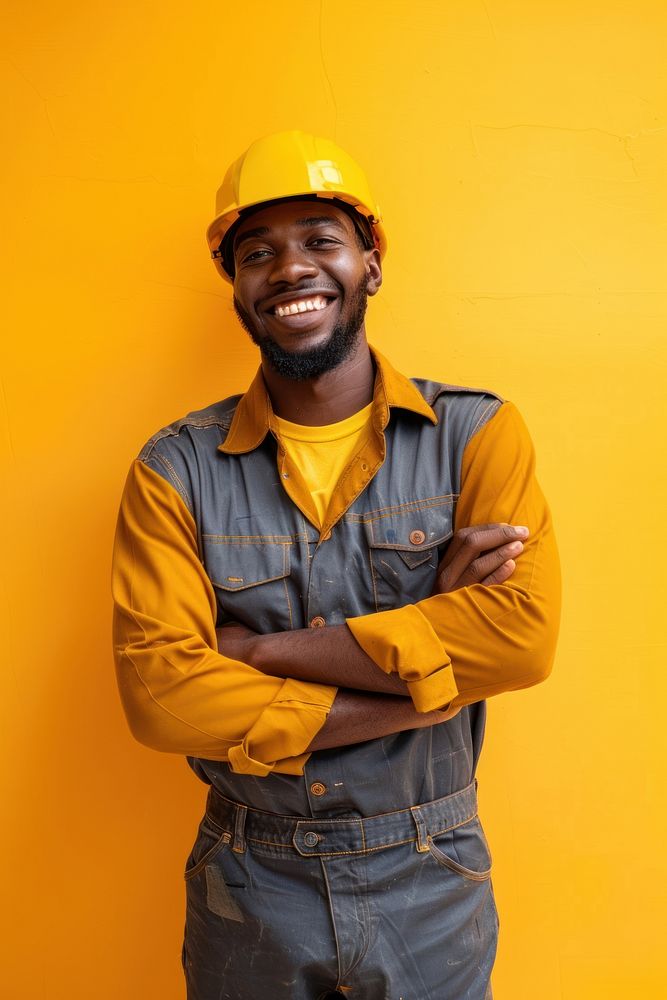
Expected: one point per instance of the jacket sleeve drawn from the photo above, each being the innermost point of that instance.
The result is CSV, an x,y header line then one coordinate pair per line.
x,y
179,694
457,648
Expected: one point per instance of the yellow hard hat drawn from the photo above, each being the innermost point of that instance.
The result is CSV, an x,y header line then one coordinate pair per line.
x,y
289,165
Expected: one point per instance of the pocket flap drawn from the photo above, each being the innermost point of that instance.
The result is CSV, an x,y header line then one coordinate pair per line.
x,y
237,564
412,529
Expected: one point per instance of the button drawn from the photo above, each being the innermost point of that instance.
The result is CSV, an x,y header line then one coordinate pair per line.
x,y
417,537
317,788
317,622
311,839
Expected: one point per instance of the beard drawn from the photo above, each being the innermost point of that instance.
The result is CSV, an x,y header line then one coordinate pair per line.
x,y
313,361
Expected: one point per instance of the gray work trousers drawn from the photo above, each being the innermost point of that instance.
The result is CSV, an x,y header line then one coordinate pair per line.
x,y
392,907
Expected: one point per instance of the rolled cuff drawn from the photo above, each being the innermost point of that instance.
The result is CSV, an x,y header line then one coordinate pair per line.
x,y
436,691
284,731
403,641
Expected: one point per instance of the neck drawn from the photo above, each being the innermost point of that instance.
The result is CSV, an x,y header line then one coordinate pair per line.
x,y
330,397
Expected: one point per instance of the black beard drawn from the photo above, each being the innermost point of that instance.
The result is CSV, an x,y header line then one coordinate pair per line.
x,y
302,365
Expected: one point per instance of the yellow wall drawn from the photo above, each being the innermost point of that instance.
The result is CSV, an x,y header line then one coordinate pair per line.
x,y
518,151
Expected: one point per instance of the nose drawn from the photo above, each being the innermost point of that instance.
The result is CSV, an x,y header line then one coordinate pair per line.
x,y
290,265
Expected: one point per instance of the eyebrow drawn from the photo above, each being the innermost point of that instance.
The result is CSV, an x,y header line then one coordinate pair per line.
x,y
311,220
250,234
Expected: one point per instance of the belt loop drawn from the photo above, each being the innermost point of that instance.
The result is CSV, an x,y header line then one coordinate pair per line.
x,y
238,844
422,836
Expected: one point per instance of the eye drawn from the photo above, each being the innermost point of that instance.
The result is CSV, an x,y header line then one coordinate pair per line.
x,y
253,256
323,241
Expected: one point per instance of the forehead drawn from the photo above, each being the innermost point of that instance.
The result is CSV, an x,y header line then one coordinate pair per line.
x,y
297,214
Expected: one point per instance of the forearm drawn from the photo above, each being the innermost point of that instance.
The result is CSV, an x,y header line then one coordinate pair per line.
x,y
356,717
329,655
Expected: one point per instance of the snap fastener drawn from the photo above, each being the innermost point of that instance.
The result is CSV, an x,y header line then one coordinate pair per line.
x,y
417,536
317,788
311,839
317,622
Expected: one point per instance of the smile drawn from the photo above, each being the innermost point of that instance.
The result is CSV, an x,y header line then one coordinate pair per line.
x,y
315,304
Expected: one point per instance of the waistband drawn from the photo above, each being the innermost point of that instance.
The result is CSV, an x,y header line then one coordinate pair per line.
x,y
332,837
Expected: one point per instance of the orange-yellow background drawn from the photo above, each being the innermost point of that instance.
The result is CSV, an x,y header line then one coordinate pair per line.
x,y
518,151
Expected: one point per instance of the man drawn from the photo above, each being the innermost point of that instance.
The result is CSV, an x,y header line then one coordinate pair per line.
x,y
317,584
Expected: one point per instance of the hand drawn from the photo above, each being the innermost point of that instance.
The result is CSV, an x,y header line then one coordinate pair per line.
x,y
235,641
482,553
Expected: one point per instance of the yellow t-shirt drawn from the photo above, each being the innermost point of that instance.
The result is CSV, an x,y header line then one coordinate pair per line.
x,y
322,453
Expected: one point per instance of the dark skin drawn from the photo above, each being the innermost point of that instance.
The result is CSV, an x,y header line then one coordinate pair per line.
x,y
293,260
300,250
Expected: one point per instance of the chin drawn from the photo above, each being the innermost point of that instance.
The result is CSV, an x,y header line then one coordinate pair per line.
x,y
310,361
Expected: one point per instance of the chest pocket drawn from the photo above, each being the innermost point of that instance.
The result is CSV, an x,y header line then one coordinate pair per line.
x,y
406,544
250,578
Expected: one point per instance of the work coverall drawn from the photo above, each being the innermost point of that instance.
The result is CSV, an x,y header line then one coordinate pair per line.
x,y
362,869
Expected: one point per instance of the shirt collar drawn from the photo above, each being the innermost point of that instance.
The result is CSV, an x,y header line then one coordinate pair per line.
x,y
252,419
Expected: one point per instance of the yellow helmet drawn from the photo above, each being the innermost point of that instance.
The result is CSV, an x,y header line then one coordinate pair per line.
x,y
287,165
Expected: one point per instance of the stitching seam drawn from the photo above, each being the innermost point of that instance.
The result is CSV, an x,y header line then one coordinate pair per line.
x,y
412,506
176,479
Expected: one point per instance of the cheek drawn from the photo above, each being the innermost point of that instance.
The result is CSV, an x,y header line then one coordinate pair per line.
x,y
245,296
350,277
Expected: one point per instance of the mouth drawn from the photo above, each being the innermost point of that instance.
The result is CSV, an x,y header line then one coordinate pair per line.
x,y
301,311
316,303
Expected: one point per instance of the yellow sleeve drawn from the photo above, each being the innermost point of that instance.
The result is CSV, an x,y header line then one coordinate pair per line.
x,y
179,694
458,648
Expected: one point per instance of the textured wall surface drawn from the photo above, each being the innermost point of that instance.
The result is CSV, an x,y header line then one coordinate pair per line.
x,y
519,153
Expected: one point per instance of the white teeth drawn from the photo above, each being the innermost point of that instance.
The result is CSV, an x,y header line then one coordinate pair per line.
x,y
301,306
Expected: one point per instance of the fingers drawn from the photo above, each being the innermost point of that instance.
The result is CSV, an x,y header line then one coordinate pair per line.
x,y
493,534
489,563
469,544
500,575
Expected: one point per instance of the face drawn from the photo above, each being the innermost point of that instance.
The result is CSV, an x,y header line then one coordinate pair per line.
x,y
301,283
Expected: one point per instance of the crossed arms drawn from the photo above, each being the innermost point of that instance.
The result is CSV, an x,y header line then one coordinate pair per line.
x,y
263,703
369,702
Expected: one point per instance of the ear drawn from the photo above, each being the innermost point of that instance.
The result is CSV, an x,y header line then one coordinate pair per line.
x,y
373,270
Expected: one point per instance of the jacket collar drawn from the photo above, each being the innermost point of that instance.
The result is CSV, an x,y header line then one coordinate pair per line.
x,y
253,417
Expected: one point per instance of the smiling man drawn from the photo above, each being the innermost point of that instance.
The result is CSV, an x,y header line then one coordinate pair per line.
x,y
304,337
317,584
